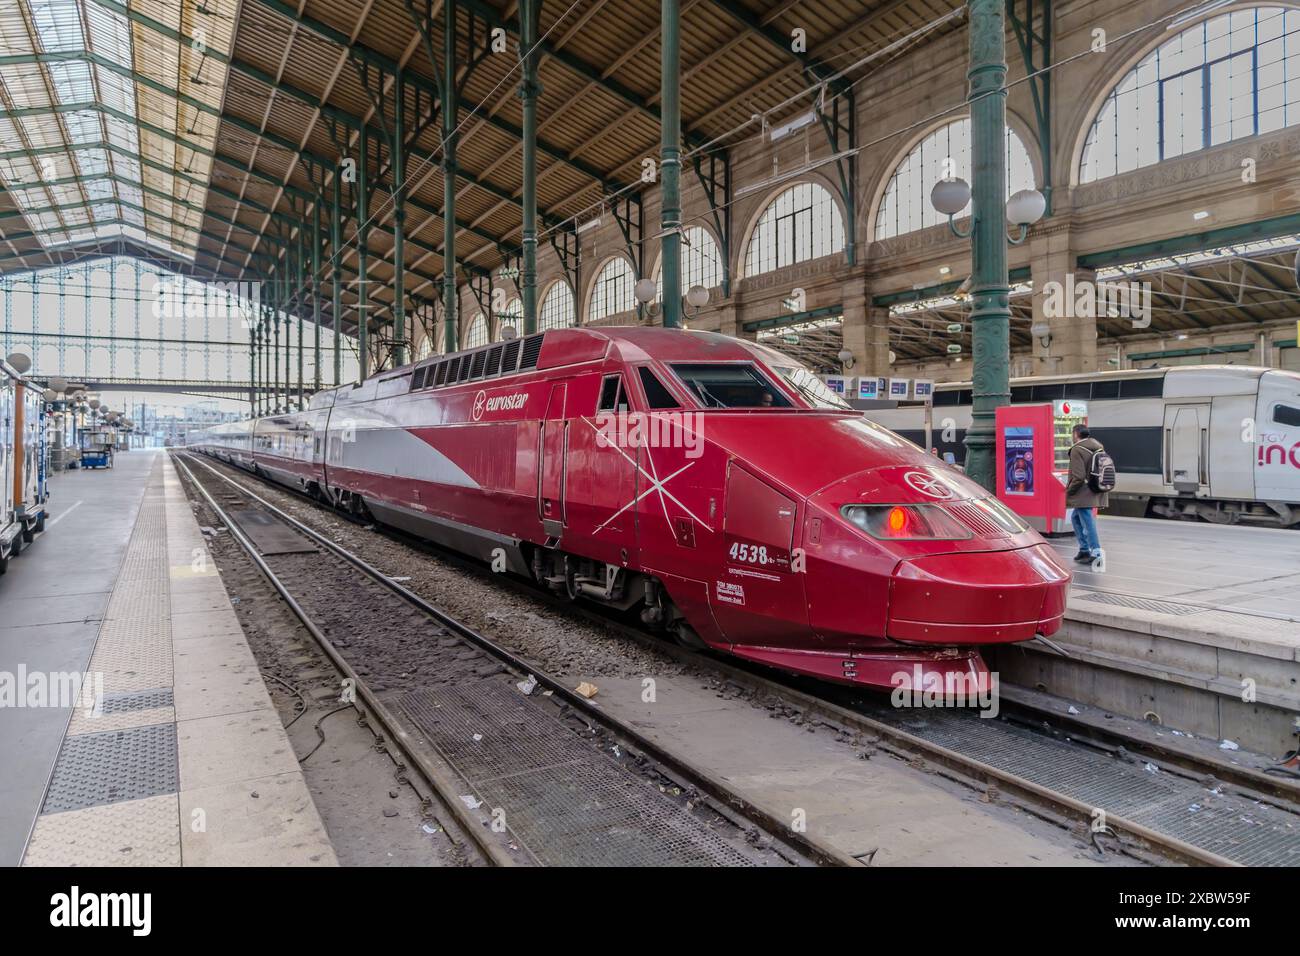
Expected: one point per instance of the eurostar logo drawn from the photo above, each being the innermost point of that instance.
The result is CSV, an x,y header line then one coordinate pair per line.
x,y
657,487
479,401
927,485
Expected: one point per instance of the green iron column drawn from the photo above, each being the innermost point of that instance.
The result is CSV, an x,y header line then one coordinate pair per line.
x,y
670,161
399,223
528,92
315,292
363,237
300,297
990,286
449,112
336,253
275,348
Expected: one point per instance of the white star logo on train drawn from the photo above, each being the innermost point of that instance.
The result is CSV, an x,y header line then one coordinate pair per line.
x,y
656,487
927,484
479,401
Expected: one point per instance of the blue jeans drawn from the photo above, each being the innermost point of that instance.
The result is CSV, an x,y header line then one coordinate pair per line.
x,y
1085,529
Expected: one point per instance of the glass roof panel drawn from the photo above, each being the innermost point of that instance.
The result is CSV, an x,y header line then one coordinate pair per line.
x,y
72,126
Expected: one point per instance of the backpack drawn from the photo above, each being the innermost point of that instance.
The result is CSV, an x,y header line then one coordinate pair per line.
x,y
1101,473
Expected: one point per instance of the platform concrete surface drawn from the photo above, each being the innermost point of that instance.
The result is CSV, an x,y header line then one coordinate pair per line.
x,y
175,756
1193,624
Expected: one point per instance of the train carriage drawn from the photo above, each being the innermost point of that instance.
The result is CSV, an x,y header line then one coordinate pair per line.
x,y
712,483
1216,442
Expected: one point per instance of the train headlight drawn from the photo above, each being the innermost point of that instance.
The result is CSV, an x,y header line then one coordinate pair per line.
x,y
906,522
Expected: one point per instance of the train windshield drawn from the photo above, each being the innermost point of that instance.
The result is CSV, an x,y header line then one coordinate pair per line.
x,y
730,385
813,389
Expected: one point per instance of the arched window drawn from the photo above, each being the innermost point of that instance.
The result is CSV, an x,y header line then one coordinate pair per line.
x,y
701,262
944,154
557,308
802,223
1232,76
612,292
477,333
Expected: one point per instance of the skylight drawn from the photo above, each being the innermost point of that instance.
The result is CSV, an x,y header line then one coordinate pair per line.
x,y
108,116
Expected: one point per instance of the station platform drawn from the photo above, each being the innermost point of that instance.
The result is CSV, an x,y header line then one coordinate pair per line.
x,y
1193,625
141,732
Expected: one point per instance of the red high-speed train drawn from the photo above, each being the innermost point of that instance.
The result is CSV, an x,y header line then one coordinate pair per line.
x,y
713,483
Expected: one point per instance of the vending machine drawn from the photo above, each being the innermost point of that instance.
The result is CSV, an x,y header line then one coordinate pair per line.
x,y
1033,460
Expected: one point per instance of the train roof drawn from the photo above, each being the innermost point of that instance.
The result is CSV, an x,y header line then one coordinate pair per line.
x,y
1180,371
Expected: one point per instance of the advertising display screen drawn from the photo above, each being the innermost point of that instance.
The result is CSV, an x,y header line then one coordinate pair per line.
x,y
1018,453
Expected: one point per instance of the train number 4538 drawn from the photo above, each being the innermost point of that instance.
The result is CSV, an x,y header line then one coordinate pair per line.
x,y
750,553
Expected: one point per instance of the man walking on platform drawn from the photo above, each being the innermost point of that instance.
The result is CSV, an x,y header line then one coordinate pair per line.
x,y
1092,475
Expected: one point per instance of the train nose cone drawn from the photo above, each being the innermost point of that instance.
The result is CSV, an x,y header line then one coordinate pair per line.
x,y
977,597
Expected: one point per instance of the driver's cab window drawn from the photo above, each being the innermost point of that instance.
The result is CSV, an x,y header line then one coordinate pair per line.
x,y
613,397
1286,414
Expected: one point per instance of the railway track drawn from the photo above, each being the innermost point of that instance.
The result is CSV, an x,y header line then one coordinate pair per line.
x,y
538,778
1068,773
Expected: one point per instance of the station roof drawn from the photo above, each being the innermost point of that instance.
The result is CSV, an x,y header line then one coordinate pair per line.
x,y
193,131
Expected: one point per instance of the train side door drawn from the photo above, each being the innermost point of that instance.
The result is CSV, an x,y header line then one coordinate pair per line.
x,y
1187,448
554,445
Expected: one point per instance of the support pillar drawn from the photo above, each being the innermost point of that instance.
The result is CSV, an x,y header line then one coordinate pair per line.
x,y
300,298
528,91
866,335
670,161
399,224
990,287
315,294
363,235
336,286
1070,344
449,113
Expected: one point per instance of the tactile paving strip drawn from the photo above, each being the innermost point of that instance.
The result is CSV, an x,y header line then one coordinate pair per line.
x,y
113,766
137,700
570,804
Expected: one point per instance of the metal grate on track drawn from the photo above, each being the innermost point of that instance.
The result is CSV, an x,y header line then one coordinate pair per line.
x,y
571,804
1254,834
1142,604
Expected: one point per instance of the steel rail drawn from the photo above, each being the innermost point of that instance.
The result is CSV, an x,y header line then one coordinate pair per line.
x,y
435,778
967,770
678,766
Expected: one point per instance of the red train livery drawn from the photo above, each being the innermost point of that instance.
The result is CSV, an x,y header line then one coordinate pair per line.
x,y
713,483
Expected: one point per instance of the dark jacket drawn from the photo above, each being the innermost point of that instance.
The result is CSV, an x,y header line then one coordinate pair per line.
x,y
1077,492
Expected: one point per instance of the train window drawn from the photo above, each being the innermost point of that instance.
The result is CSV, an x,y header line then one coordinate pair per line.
x,y
656,393
948,397
612,396
729,385
1142,388
813,389
1107,389
1286,414
1047,393
1020,393
1080,390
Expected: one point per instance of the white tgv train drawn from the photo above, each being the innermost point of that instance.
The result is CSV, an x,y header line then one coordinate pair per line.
x,y
1218,442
